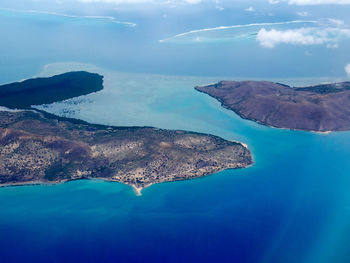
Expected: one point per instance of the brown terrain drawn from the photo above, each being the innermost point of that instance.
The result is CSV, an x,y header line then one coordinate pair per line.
x,y
316,108
37,147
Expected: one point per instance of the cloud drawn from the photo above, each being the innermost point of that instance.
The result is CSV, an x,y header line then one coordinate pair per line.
x,y
271,38
218,5
334,45
303,14
167,2
250,9
273,2
302,36
312,2
326,32
336,22
347,69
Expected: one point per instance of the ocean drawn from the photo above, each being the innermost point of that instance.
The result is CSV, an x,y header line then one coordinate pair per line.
x,y
292,205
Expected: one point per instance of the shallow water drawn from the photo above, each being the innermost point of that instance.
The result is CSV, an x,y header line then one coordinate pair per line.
x,y
293,205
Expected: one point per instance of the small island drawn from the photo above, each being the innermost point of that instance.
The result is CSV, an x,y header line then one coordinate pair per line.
x,y
39,147
320,108
37,91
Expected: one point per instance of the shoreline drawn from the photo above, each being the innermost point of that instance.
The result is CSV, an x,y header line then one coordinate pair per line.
x,y
138,189
238,154
224,106
262,123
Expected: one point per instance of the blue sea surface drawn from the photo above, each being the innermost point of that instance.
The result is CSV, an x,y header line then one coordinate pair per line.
x,y
291,206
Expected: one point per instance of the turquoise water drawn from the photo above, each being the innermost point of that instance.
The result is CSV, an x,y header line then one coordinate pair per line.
x,y
293,205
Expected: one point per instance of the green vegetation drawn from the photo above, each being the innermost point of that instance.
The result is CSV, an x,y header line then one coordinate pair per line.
x,y
48,90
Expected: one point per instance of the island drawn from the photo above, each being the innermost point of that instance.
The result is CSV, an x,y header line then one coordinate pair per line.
x,y
320,108
37,91
38,147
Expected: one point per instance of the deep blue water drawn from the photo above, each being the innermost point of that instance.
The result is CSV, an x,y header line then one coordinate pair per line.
x,y
292,205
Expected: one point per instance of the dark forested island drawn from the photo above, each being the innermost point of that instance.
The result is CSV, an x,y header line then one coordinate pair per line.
x,y
39,91
38,147
319,108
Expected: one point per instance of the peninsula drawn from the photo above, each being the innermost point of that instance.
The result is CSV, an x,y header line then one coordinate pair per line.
x,y
39,147
320,108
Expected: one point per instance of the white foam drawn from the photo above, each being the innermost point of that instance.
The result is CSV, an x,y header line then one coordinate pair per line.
x,y
9,110
236,26
109,18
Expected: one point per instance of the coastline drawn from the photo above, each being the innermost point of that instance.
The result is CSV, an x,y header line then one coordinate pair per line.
x,y
138,189
262,123
222,156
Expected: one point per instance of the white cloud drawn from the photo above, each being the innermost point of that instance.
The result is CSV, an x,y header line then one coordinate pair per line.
x,y
218,5
168,2
273,2
334,45
192,1
250,9
303,14
312,2
336,22
274,37
347,69
302,36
